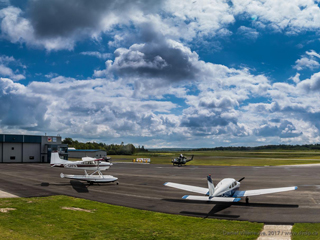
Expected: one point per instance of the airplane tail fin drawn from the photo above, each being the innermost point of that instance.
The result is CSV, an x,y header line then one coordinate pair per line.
x,y
55,159
210,186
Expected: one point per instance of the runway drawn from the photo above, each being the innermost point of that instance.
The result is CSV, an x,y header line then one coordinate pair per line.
x,y
141,186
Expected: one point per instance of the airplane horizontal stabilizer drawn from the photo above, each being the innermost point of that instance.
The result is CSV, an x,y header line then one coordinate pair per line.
x,y
187,187
249,193
214,199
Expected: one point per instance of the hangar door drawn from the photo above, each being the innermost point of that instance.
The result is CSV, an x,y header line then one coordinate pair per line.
x,y
31,152
12,152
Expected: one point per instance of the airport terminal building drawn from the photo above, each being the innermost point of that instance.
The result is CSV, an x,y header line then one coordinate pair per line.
x,y
30,148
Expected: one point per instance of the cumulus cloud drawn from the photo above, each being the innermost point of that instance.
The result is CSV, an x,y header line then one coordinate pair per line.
x,y
283,130
294,107
57,24
19,108
289,16
93,107
6,71
309,60
18,29
167,60
311,85
306,63
248,33
153,62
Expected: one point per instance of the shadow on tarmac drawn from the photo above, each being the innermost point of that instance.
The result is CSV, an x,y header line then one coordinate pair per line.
x,y
79,186
236,203
222,206
214,210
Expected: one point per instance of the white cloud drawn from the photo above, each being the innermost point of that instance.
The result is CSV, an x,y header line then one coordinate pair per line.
x,y
304,62
296,78
19,30
313,53
6,71
187,21
97,54
310,60
248,33
289,16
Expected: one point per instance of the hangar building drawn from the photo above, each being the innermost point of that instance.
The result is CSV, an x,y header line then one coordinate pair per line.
x,y
30,148
79,153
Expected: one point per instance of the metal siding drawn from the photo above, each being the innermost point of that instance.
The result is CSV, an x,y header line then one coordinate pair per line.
x,y
32,139
1,152
31,149
1,137
8,152
13,138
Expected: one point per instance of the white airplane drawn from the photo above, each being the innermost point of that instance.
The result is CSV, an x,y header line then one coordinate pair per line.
x,y
227,190
87,163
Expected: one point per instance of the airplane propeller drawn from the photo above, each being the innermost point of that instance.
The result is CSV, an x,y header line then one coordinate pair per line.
x,y
241,179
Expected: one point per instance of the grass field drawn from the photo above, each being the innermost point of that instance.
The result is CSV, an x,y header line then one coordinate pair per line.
x,y
46,218
306,231
229,158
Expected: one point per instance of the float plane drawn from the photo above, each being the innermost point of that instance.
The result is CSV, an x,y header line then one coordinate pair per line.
x,y
87,163
180,160
227,190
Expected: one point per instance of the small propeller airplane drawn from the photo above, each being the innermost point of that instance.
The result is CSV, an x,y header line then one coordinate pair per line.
x,y
227,190
87,163
180,160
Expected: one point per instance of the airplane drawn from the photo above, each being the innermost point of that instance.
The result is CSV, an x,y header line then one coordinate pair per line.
x,y
180,160
87,163
227,190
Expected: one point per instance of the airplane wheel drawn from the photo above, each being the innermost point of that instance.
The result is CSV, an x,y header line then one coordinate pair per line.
x,y
117,183
91,183
247,200
179,165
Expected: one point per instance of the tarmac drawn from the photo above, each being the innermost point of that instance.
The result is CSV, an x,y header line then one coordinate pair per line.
x,y
141,186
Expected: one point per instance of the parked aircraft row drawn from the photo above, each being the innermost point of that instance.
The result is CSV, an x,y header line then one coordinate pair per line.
x,y
227,190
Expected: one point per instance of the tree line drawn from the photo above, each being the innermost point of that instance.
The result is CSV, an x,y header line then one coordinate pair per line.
x,y
284,147
112,149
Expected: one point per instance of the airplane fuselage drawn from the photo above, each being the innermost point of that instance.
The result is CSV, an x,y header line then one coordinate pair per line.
x,y
84,165
226,188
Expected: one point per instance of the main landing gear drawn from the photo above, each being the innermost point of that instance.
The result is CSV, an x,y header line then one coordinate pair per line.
x,y
247,200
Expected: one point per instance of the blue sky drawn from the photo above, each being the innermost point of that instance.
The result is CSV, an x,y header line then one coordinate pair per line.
x,y
202,73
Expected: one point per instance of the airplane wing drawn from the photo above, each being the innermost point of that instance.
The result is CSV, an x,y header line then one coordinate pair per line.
x,y
214,199
92,160
249,193
187,187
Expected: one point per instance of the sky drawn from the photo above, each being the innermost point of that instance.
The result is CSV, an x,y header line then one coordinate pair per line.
x,y
200,73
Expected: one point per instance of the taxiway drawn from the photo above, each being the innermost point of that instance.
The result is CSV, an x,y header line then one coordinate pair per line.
x,y
141,186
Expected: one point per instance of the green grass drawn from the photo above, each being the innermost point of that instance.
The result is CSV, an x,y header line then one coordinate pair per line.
x,y
308,231
229,158
44,218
